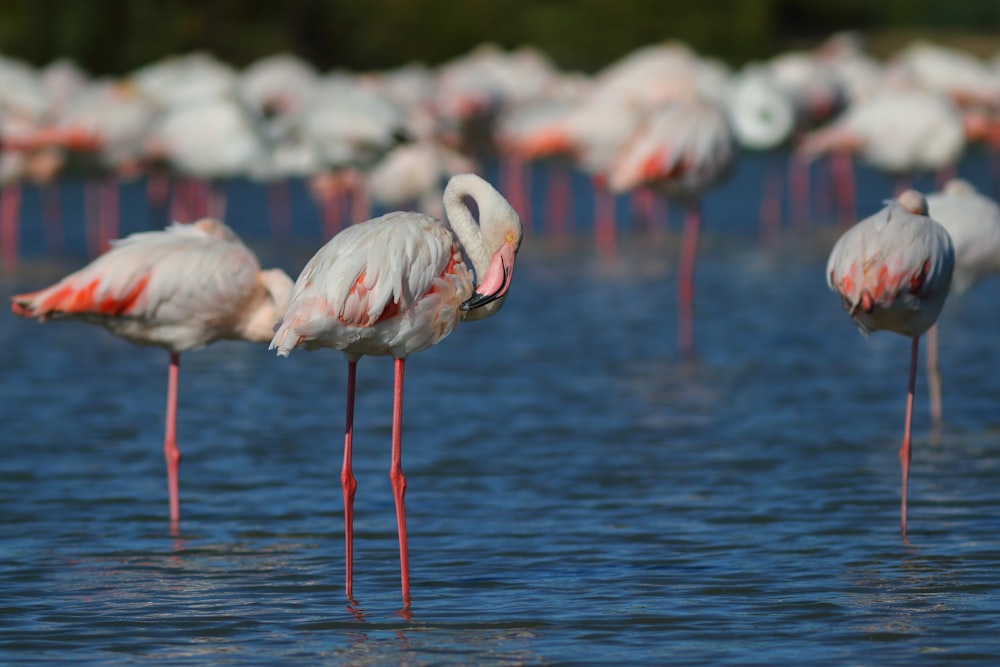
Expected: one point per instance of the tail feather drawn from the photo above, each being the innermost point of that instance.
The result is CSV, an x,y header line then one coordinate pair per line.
x,y
303,321
285,338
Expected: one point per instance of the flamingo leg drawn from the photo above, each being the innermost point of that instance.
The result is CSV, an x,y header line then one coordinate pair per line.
x,y
685,281
280,209
109,215
559,199
170,451
904,450
397,477
770,209
799,192
934,374
347,481
10,208
843,176
604,221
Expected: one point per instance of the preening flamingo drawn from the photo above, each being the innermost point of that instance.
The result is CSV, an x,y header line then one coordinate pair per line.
x,y
973,222
893,271
395,285
180,289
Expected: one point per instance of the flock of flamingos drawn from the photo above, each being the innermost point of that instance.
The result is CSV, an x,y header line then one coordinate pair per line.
x,y
662,119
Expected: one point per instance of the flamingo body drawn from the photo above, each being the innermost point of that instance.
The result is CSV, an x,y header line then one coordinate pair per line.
x,y
893,271
354,295
973,222
395,285
179,289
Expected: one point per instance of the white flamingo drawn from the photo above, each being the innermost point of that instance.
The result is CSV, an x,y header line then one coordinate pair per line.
x,y
180,289
973,222
892,271
395,285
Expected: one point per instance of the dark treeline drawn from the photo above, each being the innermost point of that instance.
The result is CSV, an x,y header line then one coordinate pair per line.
x,y
116,36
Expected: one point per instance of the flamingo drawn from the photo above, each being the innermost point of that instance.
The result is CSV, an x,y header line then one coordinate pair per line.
x,y
892,271
680,148
973,222
899,131
181,289
395,285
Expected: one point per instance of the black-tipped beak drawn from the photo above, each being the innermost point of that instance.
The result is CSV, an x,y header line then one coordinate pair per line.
x,y
478,300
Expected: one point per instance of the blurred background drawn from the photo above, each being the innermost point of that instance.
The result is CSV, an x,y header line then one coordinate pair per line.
x,y
116,36
319,113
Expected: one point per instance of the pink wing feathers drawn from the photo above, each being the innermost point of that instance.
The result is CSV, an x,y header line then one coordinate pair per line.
x,y
360,290
893,270
181,288
683,147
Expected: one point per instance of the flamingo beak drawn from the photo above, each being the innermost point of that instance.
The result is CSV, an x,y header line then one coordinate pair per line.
x,y
496,281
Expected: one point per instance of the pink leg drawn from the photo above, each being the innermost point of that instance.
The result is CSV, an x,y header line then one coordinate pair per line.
x,y
843,176
559,199
10,207
512,173
904,450
798,190
109,212
279,203
347,482
685,281
604,221
397,477
770,210
934,374
170,451
92,216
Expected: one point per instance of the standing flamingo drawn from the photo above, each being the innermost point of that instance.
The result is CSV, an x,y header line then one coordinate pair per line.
x,y
394,285
892,271
973,222
681,149
181,289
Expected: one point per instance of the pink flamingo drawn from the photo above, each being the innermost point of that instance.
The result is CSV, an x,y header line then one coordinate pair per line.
x,y
973,222
181,289
681,149
892,271
395,285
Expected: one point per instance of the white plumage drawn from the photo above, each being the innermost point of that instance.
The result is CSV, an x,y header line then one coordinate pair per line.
x,y
395,285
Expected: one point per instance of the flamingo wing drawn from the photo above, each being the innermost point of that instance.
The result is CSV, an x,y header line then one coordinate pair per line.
x,y
893,271
181,277
365,276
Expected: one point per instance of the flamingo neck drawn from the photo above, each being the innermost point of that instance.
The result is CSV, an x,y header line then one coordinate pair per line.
x,y
463,223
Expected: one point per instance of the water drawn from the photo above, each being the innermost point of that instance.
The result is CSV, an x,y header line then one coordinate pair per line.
x,y
578,494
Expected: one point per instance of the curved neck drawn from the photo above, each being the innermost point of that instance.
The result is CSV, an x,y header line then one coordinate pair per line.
x,y
464,225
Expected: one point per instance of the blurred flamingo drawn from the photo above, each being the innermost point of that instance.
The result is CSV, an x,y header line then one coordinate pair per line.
x,y
681,149
395,285
973,222
180,289
893,271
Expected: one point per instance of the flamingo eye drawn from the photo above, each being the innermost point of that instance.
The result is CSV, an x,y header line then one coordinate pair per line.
x,y
510,237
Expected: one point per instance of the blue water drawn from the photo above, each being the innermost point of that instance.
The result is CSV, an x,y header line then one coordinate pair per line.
x,y
578,493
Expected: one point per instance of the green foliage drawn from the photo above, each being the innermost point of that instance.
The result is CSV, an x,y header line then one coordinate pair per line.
x,y
116,36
